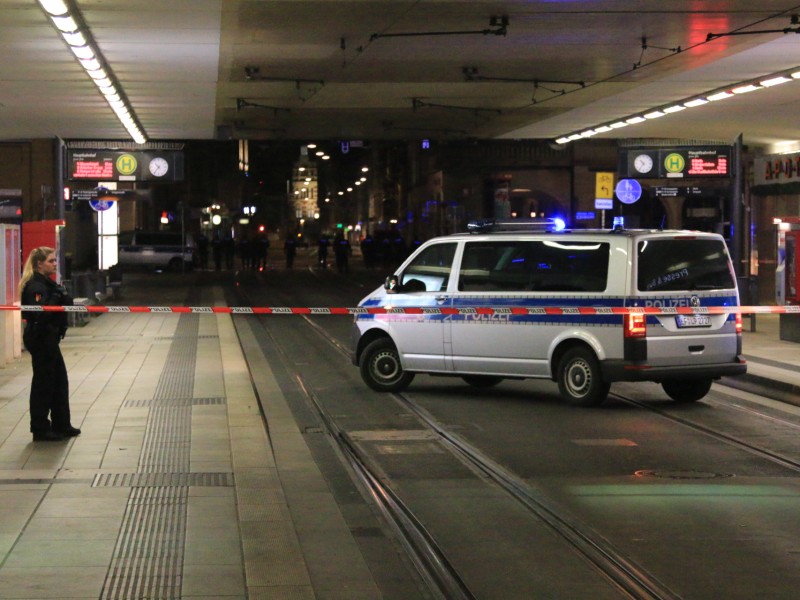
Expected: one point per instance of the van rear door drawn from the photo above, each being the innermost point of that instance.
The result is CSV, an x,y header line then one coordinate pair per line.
x,y
689,271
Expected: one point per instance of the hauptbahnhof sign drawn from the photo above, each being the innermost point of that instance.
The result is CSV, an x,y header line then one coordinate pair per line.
x,y
120,165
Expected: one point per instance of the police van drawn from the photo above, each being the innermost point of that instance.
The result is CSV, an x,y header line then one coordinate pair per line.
x,y
156,250
609,287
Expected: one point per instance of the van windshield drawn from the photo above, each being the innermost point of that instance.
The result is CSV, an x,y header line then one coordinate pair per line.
x,y
684,265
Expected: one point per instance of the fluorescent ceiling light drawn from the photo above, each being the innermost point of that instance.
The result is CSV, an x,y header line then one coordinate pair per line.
x,y
82,52
90,64
98,74
714,95
74,39
775,81
695,102
65,24
81,44
744,89
719,96
54,7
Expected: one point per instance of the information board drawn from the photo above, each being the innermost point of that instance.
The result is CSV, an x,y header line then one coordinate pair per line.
x,y
699,162
117,165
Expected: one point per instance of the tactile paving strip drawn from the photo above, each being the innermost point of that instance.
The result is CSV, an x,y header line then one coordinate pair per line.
x,y
148,557
163,480
149,552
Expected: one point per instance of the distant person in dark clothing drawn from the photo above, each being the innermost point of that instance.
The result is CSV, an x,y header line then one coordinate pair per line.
x,y
322,252
342,252
386,252
368,251
399,251
49,399
229,248
202,250
245,253
289,249
262,252
216,251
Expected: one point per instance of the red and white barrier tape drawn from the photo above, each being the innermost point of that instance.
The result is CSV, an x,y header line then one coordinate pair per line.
x,y
416,310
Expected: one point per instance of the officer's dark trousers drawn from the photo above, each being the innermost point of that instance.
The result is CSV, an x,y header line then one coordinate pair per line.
x,y
50,386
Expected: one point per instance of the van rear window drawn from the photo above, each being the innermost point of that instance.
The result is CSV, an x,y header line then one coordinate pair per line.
x,y
684,265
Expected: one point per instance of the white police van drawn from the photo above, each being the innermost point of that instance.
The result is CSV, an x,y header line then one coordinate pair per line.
x,y
156,250
594,274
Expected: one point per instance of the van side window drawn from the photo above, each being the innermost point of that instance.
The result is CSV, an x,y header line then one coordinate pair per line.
x,y
684,265
431,267
544,266
146,239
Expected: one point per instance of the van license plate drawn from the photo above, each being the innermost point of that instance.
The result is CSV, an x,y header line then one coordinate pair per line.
x,y
693,321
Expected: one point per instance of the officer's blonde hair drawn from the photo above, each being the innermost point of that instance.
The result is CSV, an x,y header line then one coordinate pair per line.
x,y
35,258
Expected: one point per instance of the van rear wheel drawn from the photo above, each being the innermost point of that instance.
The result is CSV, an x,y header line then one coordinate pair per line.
x,y
686,390
381,368
579,378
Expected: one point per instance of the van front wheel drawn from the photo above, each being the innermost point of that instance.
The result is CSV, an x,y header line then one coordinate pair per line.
x,y
579,378
381,368
686,390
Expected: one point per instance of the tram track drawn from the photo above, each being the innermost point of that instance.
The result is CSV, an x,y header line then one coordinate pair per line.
x,y
631,580
441,578
741,444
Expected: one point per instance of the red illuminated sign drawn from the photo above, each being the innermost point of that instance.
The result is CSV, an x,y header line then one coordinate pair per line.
x,y
707,162
92,169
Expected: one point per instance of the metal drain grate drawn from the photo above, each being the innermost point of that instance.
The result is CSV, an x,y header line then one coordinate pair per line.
x,y
163,480
169,338
174,402
667,474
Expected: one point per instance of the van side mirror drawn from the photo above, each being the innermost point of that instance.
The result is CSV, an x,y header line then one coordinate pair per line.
x,y
392,284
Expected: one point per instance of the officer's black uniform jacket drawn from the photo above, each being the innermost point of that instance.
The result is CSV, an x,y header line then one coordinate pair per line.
x,y
43,291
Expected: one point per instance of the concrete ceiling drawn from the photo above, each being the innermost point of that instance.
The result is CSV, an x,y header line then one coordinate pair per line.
x,y
326,69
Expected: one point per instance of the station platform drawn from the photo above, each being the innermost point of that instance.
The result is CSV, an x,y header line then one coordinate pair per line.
x,y
190,479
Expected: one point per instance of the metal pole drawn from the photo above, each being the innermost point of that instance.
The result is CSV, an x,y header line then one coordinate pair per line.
x,y
183,240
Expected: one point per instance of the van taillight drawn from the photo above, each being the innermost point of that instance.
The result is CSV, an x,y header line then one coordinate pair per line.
x,y
635,325
738,322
